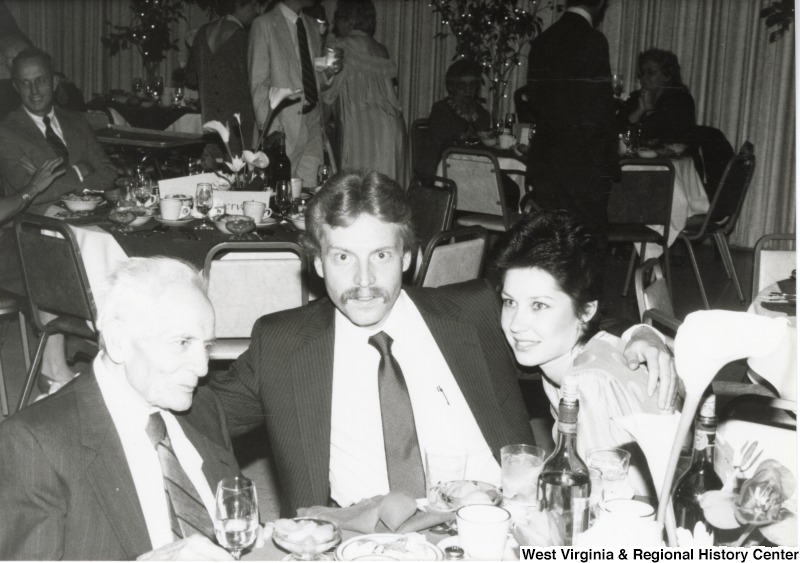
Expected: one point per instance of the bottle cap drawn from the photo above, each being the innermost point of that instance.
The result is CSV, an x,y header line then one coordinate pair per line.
x,y
569,389
709,407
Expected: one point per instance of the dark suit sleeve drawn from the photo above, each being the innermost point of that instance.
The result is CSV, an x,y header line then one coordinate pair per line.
x,y
596,102
33,501
103,172
237,389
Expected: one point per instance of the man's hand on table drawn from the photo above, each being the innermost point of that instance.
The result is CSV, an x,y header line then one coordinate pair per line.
x,y
193,548
646,347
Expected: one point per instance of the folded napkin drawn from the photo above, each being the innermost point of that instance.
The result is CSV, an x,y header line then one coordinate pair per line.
x,y
395,512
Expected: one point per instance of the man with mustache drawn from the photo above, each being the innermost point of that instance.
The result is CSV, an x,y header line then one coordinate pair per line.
x,y
356,387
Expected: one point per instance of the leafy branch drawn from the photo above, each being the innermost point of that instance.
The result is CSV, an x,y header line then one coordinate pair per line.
x,y
149,30
778,14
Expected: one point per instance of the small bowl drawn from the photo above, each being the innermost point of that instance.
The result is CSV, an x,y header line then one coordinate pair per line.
x,y
143,215
306,537
82,203
222,227
455,494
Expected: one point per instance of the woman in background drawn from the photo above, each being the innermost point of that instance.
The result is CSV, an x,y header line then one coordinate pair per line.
x,y
218,68
663,107
372,132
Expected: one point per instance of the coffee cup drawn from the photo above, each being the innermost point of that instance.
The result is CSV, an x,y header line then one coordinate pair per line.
x,y
505,141
297,187
173,209
256,210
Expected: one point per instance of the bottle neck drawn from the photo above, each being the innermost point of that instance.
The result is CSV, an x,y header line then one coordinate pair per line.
x,y
705,435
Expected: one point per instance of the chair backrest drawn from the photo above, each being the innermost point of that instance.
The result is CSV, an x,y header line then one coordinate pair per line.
x,y
652,291
453,256
643,196
479,185
99,118
711,154
729,196
52,269
432,200
772,265
420,147
249,279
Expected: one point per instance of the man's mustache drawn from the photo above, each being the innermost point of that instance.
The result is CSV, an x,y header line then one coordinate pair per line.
x,y
361,293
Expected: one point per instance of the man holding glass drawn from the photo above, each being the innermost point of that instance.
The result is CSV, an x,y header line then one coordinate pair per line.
x,y
123,461
355,388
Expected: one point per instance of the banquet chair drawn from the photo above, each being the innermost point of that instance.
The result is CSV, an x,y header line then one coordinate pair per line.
x,y
773,265
421,160
247,280
453,256
56,283
432,201
10,305
640,204
99,118
711,153
721,217
652,291
479,188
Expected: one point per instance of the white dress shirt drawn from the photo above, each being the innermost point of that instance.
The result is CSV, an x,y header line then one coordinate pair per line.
x,y
130,414
441,414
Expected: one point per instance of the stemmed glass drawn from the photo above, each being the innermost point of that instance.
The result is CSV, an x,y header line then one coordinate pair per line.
x,y
323,173
283,197
122,218
629,137
143,192
137,87
158,86
236,514
203,201
617,85
511,119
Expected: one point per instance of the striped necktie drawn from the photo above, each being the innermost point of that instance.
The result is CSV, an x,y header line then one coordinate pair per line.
x,y
55,141
187,513
403,457
309,81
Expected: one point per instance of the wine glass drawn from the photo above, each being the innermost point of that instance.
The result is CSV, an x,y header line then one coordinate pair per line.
x,y
137,87
177,98
283,197
158,86
143,192
629,138
323,173
617,84
236,514
510,120
203,201
240,228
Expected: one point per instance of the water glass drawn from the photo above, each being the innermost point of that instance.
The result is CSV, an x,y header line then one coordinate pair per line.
x,y
520,466
203,202
443,463
323,173
483,531
283,197
510,120
617,84
236,514
595,495
613,464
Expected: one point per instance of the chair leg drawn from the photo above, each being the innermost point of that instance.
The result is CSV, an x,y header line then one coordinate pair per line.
x,y
3,391
693,260
23,333
629,275
667,269
30,379
727,259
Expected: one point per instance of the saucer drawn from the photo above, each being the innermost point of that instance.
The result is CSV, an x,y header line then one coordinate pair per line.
x,y
173,223
266,222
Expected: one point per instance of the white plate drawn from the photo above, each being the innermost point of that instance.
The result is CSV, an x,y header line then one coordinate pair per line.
x,y
377,547
171,223
266,222
511,553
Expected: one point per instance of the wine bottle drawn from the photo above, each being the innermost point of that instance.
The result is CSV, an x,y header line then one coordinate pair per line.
x,y
281,167
700,477
564,483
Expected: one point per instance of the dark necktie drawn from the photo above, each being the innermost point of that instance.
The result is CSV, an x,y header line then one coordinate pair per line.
x,y
403,458
55,141
309,81
187,513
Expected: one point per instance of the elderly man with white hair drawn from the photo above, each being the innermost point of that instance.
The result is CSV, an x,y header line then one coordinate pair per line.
x,y
122,462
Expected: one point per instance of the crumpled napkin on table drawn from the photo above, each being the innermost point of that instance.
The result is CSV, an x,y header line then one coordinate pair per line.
x,y
395,512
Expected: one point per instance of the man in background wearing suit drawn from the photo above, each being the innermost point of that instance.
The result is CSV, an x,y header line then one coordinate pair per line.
x,y
123,462
283,45
355,387
573,154
40,132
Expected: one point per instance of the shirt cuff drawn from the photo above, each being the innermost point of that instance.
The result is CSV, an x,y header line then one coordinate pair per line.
x,y
78,172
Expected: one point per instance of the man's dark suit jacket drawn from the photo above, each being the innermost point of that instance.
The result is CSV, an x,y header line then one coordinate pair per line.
x,y
574,150
19,136
65,488
285,380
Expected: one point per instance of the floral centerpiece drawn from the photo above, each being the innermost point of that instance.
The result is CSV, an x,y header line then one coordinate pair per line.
x,y
245,169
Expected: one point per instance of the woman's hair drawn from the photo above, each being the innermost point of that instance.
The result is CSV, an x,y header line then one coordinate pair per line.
x,y
461,70
557,243
360,13
667,62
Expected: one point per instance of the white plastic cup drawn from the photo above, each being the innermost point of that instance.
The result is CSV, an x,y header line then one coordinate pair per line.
x,y
483,531
297,187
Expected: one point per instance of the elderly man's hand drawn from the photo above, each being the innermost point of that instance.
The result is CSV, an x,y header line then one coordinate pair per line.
x,y
193,548
646,347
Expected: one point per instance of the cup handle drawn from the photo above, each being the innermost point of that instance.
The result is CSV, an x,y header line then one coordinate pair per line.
x,y
184,213
151,200
267,213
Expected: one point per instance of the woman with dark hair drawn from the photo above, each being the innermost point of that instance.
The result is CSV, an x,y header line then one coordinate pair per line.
x,y
551,285
368,114
218,68
663,107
